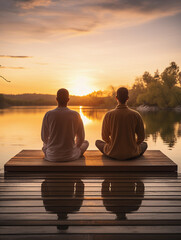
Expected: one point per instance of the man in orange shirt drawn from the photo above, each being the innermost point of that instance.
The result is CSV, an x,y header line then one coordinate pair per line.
x,y
122,131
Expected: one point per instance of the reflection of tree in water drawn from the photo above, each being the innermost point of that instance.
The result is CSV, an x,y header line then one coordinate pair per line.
x,y
162,122
179,130
133,191
93,113
53,195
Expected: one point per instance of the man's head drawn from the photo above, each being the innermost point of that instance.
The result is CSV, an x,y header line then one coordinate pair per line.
x,y
62,97
122,95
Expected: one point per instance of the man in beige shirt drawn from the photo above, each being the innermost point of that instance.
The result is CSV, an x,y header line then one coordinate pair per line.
x,y
122,131
63,132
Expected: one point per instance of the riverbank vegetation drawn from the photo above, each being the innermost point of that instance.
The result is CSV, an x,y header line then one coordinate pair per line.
x,y
162,90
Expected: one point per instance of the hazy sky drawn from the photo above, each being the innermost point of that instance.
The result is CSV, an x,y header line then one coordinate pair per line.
x,y
85,45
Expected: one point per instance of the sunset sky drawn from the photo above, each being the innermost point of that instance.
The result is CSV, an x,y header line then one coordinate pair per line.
x,y
85,45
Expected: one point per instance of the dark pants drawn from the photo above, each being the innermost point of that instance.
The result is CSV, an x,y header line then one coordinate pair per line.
x,y
100,145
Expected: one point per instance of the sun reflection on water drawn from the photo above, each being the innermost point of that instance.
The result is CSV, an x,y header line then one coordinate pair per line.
x,y
85,119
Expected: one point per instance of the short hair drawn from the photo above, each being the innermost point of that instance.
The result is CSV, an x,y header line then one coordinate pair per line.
x,y
62,96
122,94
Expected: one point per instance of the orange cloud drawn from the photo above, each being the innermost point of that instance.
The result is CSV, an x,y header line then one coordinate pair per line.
x,y
37,19
11,56
11,67
29,4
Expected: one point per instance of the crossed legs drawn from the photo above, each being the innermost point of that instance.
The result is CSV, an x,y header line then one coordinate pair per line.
x,y
84,147
100,145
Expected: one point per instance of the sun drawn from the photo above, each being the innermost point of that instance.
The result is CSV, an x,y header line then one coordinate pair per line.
x,y
82,85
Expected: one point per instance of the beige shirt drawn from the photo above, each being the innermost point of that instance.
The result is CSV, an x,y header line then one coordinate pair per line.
x,y
123,132
62,134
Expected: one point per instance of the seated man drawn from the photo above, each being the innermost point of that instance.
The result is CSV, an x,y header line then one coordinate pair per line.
x,y
63,132
122,131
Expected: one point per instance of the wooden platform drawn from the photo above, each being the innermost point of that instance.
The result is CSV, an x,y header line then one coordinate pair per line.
x,y
109,206
32,161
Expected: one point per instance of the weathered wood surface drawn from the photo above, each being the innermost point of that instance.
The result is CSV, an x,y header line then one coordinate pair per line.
x,y
32,160
65,206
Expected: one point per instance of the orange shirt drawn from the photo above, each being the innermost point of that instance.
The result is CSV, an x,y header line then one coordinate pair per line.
x,y
123,132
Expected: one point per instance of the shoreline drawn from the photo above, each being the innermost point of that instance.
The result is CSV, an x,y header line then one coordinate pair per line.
x,y
146,108
141,108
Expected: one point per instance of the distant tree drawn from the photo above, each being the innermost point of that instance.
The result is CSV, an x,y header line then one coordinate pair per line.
x,y
96,94
110,100
139,84
112,91
174,96
147,78
157,76
2,101
179,78
171,75
153,96
137,89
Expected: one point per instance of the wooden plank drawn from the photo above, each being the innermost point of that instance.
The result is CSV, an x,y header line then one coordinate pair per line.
x,y
51,219
11,230
90,223
88,181
93,209
89,175
114,194
65,236
87,185
88,203
28,160
89,189
87,197
50,236
91,184
92,153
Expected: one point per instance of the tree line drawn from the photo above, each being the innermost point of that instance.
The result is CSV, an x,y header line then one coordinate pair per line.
x,y
162,90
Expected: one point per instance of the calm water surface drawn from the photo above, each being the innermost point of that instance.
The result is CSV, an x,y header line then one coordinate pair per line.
x,y
20,128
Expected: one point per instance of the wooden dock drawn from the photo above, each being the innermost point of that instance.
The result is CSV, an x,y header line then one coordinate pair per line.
x,y
105,202
92,206
32,160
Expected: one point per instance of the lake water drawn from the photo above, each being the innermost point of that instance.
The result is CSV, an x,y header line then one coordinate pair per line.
x,y
20,128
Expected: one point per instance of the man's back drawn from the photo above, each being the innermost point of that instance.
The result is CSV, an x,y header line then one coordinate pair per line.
x,y
119,130
59,129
